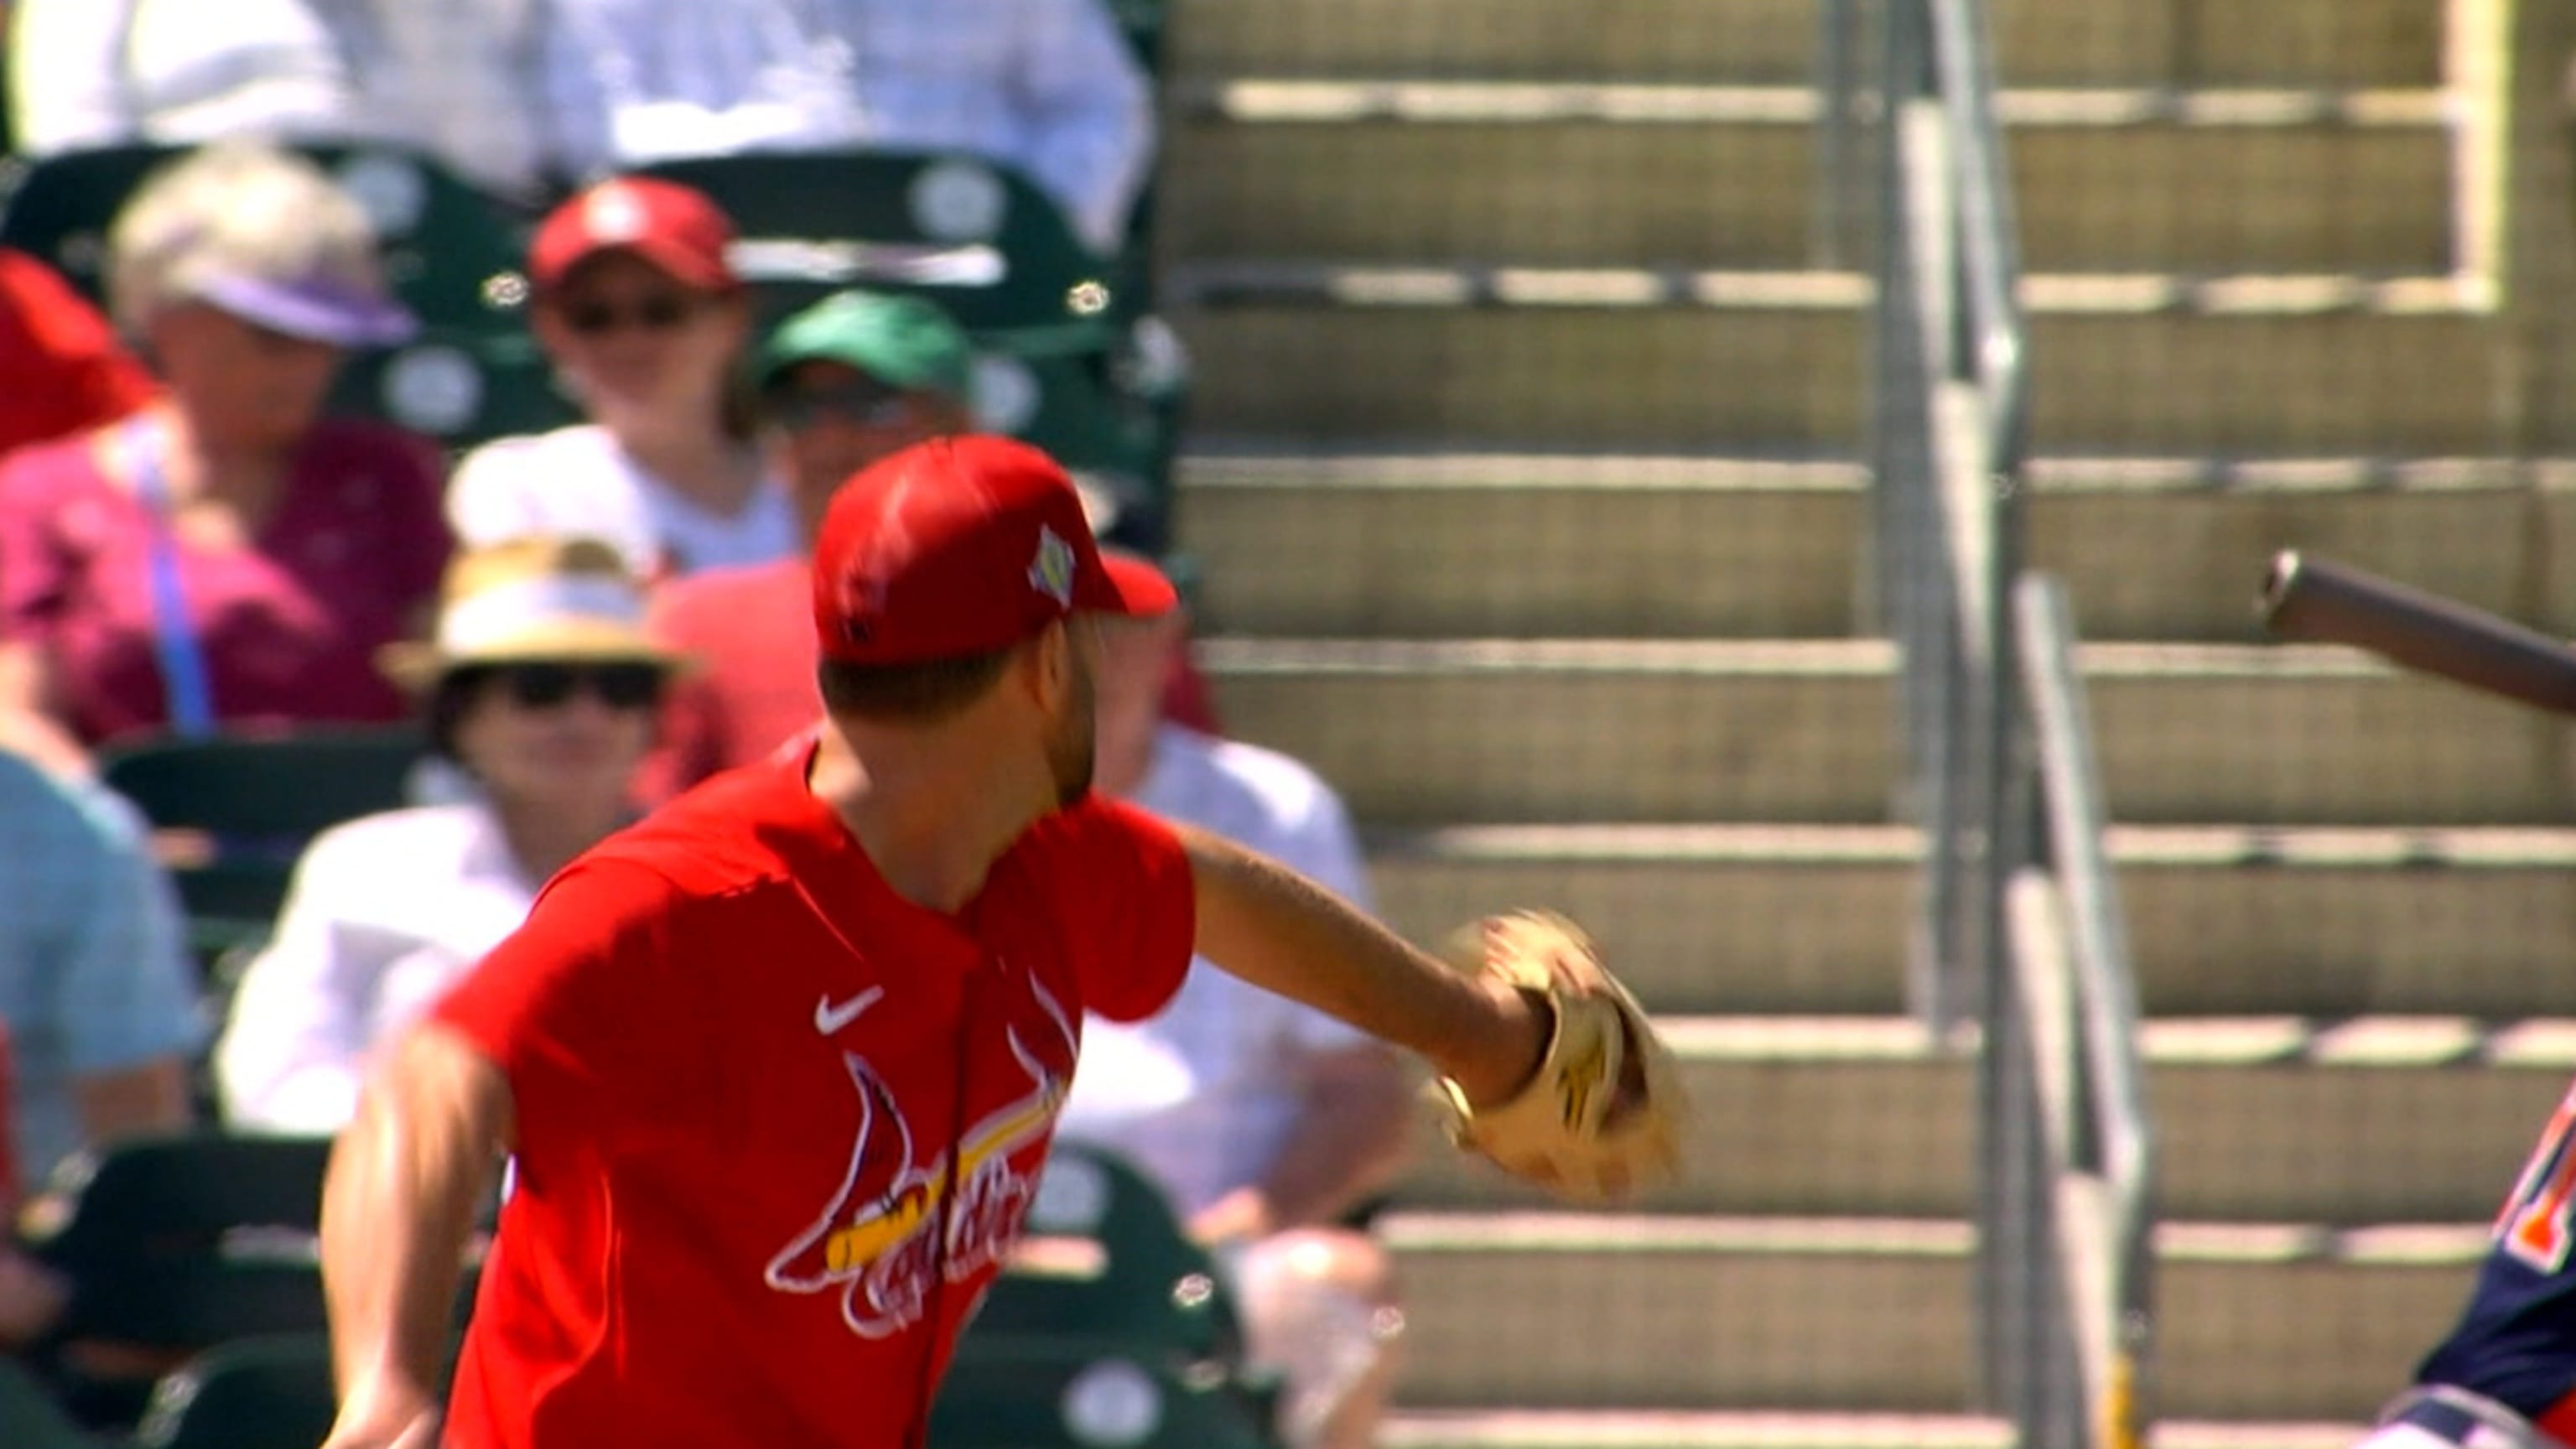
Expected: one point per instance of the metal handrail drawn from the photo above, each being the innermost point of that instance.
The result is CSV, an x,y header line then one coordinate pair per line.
x,y
2092,1090
1989,250
2019,928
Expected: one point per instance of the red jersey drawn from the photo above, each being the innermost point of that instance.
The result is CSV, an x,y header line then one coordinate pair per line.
x,y
776,1125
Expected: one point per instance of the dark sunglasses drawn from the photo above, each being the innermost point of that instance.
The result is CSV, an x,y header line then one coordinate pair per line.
x,y
653,314
550,686
865,402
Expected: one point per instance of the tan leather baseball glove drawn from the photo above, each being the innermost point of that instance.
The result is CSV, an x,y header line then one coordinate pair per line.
x,y
1601,1116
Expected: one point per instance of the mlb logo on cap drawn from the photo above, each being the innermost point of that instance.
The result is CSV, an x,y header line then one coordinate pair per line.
x,y
961,546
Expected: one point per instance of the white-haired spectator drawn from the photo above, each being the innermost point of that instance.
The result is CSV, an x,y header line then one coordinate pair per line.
x,y
223,555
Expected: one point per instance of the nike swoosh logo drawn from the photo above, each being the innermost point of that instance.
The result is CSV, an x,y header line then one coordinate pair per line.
x,y
829,1018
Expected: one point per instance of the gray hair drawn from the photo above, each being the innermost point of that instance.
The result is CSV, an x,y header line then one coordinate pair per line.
x,y
235,211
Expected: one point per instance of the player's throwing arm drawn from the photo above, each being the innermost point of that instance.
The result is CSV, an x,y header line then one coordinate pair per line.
x,y
1547,1063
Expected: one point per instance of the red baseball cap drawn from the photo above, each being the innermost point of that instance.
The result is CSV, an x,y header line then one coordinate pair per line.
x,y
961,546
675,227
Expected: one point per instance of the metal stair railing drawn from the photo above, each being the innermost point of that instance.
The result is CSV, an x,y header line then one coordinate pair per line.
x,y
2017,931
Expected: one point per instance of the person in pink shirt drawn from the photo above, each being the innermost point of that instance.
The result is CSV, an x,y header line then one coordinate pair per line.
x,y
222,556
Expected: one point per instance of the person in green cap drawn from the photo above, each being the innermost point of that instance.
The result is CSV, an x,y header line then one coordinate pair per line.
x,y
846,381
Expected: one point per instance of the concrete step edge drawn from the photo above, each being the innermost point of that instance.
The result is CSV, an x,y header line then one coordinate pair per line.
x,y
1276,100
1423,1232
1449,286
1229,465
2190,847
2389,1042
1234,654
1791,1429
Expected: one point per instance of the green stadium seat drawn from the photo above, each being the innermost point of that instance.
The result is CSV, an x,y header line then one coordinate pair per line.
x,y
1144,1285
979,238
457,386
269,1392
173,1245
1065,365
1071,1397
257,798
29,1417
451,252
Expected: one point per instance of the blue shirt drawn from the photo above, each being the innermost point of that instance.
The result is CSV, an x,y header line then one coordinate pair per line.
x,y
94,972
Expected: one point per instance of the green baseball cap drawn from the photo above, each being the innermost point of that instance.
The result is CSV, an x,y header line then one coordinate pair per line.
x,y
906,341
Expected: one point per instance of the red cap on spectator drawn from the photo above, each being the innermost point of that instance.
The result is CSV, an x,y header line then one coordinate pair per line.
x,y
961,546
674,227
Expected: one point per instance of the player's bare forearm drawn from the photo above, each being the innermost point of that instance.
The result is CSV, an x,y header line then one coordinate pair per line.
x,y
397,1209
1278,930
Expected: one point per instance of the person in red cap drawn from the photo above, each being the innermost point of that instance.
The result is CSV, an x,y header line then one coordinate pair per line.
x,y
647,324
779,1065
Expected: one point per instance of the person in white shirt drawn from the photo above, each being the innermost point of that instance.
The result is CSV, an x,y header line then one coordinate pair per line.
x,y
541,687
647,323
91,73
1266,1123
581,88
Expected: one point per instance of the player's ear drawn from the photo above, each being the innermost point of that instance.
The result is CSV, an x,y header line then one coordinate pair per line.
x,y
1045,667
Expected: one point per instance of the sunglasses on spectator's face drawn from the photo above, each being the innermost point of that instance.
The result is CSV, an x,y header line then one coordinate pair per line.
x,y
551,686
660,313
864,402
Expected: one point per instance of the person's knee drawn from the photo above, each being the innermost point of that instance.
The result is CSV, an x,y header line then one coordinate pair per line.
x,y
1359,1265
1301,1273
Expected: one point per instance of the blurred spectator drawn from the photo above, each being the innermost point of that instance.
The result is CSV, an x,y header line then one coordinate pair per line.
x,y
95,984
540,686
61,369
848,380
32,1296
1266,1122
644,317
88,73
1046,86
222,555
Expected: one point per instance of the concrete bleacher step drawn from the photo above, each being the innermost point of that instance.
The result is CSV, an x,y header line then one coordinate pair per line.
x,y
1809,920
2277,1322
1726,176
1788,1429
2131,42
1480,731
1423,544
2347,1122
1629,360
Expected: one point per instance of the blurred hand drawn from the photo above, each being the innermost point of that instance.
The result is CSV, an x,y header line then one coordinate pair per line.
x,y
384,1418
31,1298
1243,1214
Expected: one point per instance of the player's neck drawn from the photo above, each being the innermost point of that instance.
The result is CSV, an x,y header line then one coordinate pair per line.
x,y
932,822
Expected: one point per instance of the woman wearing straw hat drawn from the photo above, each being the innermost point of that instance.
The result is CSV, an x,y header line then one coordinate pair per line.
x,y
541,687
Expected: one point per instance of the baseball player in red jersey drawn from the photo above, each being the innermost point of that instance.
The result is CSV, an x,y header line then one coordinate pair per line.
x,y
778,1066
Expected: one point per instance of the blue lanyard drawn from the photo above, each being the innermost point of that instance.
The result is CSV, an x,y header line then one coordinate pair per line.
x,y
174,635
